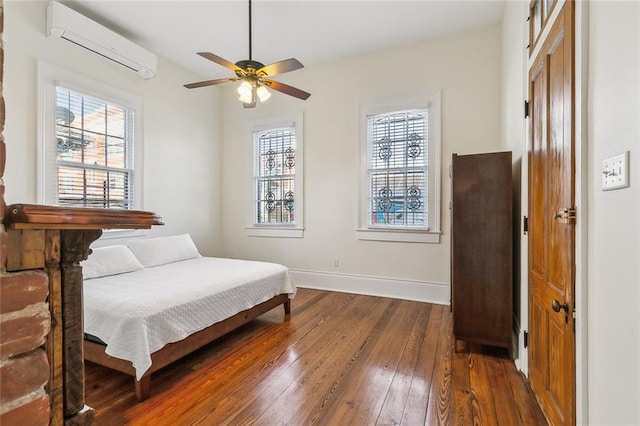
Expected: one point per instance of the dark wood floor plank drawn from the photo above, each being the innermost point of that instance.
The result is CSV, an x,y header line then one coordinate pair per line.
x,y
340,359
396,400
462,411
415,411
484,409
340,365
438,409
528,408
362,400
314,376
506,409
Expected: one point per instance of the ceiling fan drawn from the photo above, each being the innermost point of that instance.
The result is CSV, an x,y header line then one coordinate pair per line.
x,y
255,76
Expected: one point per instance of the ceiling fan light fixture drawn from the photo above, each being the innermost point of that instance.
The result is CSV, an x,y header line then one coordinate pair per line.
x,y
263,93
245,90
255,76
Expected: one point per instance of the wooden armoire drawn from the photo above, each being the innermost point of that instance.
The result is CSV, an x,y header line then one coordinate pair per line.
x,y
482,248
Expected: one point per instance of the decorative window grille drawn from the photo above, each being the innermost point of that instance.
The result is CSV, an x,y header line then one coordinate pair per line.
x,y
94,151
275,175
397,169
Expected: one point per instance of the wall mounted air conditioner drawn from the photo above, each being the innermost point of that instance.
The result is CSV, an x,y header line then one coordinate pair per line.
x,y
70,25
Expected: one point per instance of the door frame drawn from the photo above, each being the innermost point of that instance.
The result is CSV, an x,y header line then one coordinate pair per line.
x,y
581,14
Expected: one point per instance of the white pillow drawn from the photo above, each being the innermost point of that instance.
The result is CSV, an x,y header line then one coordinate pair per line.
x,y
110,260
159,251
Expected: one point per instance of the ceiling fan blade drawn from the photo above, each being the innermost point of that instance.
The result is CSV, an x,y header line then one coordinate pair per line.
x,y
220,61
281,67
286,89
210,82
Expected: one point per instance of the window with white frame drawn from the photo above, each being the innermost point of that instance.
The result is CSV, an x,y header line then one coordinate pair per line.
x,y
401,170
277,179
94,152
88,137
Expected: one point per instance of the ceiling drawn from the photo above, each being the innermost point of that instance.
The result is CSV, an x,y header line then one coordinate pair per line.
x,y
313,31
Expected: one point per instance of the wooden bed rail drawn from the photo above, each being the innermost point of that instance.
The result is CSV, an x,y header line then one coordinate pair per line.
x,y
57,239
95,352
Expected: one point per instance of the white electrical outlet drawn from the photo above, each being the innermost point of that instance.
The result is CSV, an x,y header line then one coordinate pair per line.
x,y
615,172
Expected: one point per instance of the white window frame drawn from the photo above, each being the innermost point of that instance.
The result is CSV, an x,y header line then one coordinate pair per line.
x,y
279,230
430,233
50,76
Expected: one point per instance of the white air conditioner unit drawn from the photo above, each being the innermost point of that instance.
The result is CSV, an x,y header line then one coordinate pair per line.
x,y
70,25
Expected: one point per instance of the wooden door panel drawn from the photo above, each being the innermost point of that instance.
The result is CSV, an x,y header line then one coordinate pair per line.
x,y
537,250
557,383
551,238
536,348
560,167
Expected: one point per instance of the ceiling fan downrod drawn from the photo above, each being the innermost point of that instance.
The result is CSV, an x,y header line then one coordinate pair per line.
x,y
250,36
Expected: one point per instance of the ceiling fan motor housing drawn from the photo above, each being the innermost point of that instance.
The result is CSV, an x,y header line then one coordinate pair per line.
x,y
248,64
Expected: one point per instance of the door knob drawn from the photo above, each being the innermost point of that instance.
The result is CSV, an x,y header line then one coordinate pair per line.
x,y
557,306
565,215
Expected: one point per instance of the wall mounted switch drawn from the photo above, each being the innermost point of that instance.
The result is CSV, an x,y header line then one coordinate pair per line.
x,y
615,172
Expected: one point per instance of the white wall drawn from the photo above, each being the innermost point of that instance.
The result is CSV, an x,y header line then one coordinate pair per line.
x,y
466,67
614,216
182,128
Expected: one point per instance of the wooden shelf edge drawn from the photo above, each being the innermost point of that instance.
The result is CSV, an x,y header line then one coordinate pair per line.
x,y
37,216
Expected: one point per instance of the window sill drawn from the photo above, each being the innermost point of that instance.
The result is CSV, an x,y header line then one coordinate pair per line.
x,y
275,232
427,237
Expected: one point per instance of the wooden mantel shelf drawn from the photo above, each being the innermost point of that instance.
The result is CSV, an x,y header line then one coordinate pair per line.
x,y
35,216
57,239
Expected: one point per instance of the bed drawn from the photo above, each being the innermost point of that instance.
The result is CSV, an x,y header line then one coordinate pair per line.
x,y
153,301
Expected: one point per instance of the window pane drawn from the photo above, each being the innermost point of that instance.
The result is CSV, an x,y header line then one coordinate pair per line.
x,y
79,187
92,152
116,121
116,152
397,168
537,20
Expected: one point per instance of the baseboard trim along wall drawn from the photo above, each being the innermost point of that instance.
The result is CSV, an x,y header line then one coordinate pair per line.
x,y
420,291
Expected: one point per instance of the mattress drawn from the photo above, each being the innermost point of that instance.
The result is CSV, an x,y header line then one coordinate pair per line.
x,y
138,313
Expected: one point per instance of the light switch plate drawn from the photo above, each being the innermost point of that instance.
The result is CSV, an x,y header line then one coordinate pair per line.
x,y
615,172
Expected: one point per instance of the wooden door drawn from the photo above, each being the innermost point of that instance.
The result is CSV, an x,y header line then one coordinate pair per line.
x,y
552,223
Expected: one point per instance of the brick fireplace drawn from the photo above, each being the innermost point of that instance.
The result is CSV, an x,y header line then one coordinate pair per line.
x,y
24,319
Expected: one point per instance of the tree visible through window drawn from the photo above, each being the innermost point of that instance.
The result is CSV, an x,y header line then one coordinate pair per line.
x,y
397,168
94,151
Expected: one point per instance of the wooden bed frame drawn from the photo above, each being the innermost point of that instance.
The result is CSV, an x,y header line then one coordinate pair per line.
x,y
95,352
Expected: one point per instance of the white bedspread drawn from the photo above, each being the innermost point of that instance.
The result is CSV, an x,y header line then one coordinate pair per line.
x,y
139,312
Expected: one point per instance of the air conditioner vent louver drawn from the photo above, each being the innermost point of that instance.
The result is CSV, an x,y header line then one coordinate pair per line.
x,y
69,25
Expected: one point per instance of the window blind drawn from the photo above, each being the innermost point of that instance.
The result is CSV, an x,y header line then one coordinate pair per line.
x,y
94,152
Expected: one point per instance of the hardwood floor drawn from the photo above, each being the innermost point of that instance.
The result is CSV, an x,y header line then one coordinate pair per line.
x,y
341,359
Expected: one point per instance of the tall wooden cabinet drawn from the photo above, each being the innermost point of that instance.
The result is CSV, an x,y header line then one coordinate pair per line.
x,y
482,248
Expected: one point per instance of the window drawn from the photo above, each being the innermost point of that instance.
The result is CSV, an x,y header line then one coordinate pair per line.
x,y
396,170
277,178
275,175
400,190
94,152
89,134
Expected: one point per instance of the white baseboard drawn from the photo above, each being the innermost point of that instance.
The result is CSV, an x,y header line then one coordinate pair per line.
x,y
420,291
